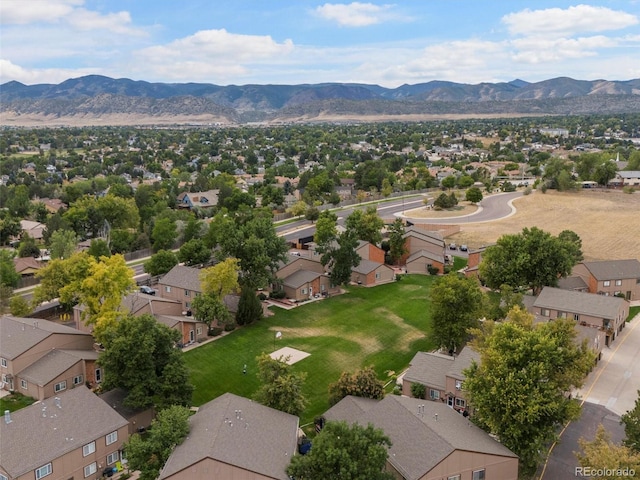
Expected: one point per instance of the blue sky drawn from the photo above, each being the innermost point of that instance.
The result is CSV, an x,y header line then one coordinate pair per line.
x,y
301,41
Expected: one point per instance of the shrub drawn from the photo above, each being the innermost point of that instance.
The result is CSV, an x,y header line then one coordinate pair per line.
x,y
418,390
628,189
215,331
262,297
432,270
397,390
230,327
278,294
527,191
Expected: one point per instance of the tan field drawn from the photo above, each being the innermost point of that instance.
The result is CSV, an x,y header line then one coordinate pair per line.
x,y
608,222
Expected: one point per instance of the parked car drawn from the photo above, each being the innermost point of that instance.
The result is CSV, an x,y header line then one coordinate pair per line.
x,y
147,290
464,248
453,246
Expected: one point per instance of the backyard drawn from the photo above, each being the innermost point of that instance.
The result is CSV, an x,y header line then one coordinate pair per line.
x,y
381,327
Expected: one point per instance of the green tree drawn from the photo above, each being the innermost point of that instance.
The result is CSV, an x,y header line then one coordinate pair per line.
x,y
341,256
210,309
99,248
448,182
18,203
518,390
362,383
9,227
348,452
62,279
418,390
19,307
631,422
572,243
140,357
249,307
194,228
457,303
397,244
63,243
221,279
532,259
604,172
326,229
312,213
601,454
8,275
148,453
28,247
164,234
194,252
299,208
161,262
366,224
474,195
280,387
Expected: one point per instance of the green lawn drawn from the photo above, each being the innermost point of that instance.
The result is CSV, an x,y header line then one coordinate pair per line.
x,y
14,402
381,327
633,311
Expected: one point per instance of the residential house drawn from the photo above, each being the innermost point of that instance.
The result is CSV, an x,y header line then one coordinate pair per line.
x,y
26,266
627,178
473,262
34,229
74,435
301,278
423,260
429,242
138,419
611,277
192,200
587,309
40,359
441,375
430,441
182,283
369,251
369,273
236,438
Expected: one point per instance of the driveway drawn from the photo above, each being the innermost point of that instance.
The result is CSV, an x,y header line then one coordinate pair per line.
x,y
609,391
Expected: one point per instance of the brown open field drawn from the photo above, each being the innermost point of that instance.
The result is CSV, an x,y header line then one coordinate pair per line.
x,y
607,221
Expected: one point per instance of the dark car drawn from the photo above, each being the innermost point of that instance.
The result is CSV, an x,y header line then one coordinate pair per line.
x,y
464,248
453,246
147,290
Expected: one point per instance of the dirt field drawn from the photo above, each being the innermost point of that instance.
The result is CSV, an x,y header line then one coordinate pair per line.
x,y
608,222
465,208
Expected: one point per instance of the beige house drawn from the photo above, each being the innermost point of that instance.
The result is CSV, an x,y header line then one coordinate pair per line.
x,y
430,441
40,359
429,242
587,309
441,375
232,437
190,200
74,435
370,273
302,278
611,277
420,262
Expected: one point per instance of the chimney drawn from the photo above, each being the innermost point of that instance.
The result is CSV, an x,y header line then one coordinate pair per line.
x,y
7,417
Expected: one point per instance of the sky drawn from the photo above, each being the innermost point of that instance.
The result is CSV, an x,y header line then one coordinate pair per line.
x,y
241,42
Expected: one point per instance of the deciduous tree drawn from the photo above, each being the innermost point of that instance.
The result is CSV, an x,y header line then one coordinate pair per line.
x,y
63,243
349,452
397,245
602,455
249,307
361,383
161,262
164,234
194,252
519,389
474,195
366,224
631,422
280,386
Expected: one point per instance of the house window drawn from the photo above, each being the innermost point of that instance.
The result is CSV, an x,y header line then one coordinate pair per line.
x,y
78,379
88,449
561,315
3,477
111,438
434,394
458,384
545,312
460,403
576,316
3,362
618,283
478,475
44,471
90,469
23,384
607,283
187,304
199,330
113,458
377,276
453,477
303,291
322,287
167,289
58,387
98,375
187,293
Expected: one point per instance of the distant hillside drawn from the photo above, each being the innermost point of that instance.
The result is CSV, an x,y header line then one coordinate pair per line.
x,y
97,100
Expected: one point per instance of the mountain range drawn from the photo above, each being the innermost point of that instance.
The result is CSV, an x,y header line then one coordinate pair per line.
x,y
97,99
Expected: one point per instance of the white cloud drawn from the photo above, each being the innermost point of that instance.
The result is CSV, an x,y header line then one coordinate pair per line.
x,y
354,14
118,23
539,50
21,12
575,19
30,76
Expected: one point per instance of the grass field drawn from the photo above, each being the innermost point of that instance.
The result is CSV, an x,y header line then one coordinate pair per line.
x,y
381,327
14,402
633,311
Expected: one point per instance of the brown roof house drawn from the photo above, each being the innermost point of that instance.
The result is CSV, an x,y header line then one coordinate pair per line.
x,y
430,441
302,278
424,248
190,200
441,375
370,273
74,435
587,309
611,277
139,419
232,437
40,359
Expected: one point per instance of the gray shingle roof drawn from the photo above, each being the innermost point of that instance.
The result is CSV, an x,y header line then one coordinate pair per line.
x,y
424,253
259,439
428,235
614,269
579,302
182,277
419,441
431,368
299,278
572,283
38,435
47,368
366,266
17,335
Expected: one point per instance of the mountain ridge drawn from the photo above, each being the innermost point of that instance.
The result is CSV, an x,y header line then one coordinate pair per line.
x,y
94,96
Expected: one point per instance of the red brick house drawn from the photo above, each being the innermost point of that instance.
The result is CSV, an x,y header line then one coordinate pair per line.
x,y
611,277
